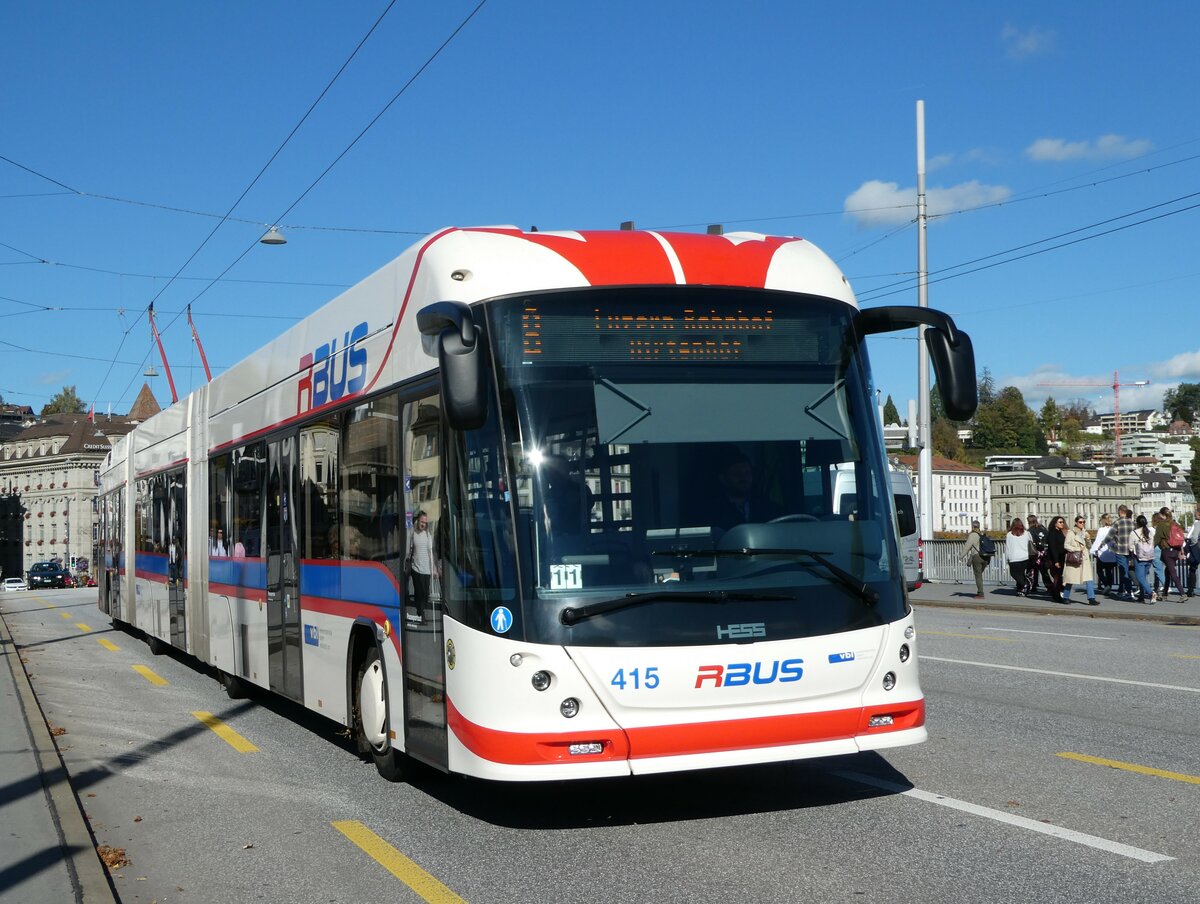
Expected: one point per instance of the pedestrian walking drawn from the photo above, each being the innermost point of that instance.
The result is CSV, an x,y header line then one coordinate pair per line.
x,y
1077,562
973,555
1159,531
1170,539
1119,539
1038,562
1106,559
1018,548
1142,553
1193,553
1056,553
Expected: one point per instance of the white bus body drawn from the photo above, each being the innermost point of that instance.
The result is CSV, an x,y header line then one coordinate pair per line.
x,y
593,608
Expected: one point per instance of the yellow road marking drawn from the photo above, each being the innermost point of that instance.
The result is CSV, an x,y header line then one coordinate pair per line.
x,y
82,627
225,733
149,675
66,614
1133,767
1183,656
107,644
48,605
425,885
971,636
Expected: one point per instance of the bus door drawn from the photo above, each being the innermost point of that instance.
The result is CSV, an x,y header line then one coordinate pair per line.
x,y
281,544
421,614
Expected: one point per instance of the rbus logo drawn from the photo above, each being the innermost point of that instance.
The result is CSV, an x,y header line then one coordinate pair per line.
x,y
739,674
335,374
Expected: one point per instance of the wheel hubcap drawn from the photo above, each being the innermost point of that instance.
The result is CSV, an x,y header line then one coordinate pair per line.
x,y
373,707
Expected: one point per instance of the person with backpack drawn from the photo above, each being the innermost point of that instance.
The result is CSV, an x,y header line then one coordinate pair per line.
x,y
1169,538
1077,562
974,553
1141,551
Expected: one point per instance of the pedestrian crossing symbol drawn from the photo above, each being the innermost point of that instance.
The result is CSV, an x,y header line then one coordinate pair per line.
x,y
501,619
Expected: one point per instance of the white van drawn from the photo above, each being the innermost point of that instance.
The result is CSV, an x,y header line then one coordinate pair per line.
x,y
906,517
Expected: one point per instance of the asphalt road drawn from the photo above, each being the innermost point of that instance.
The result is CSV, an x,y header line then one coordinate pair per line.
x,y
1063,765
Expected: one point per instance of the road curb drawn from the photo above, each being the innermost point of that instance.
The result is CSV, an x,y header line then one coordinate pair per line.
x,y
66,810
1078,610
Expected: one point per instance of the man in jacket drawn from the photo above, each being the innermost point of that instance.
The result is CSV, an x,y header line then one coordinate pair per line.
x,y
971,554
1118,540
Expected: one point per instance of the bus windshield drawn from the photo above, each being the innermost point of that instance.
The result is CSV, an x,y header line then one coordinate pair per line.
x,y
693,465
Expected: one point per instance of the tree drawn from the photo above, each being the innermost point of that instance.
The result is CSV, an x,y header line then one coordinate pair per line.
x,y
66,402
1006,423
1183,402
945,440
1050,420
890,414
987,388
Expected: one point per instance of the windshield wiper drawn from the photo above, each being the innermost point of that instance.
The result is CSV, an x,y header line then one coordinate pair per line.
x,y
573,615
867,594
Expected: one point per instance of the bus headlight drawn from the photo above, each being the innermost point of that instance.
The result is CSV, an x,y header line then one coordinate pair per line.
x,y
910,632
889,681
904,652
541,680
569,708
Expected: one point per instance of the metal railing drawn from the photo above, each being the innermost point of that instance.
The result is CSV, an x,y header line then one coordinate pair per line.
x,y
944,564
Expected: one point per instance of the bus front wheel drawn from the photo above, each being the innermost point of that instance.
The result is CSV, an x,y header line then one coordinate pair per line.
x,y
373,721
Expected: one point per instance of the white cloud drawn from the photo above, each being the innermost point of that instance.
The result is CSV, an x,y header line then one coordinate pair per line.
x,y
936,163
1106,147
54,378
876,203
1184,368
1019,44
1096,389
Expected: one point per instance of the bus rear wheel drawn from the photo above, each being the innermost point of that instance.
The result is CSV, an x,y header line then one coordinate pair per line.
x,y
373,719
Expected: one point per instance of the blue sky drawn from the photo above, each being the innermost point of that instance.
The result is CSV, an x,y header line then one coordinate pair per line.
x,y
131,128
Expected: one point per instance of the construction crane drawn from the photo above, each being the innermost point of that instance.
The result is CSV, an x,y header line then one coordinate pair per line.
x,y
1116,388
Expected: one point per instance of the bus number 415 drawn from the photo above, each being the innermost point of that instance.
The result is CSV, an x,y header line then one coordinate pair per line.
x,y
636,678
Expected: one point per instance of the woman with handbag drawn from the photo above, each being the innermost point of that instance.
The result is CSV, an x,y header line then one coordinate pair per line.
x,y
1077,562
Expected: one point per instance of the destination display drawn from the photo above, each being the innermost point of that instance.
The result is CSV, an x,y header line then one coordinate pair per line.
x,y
687,333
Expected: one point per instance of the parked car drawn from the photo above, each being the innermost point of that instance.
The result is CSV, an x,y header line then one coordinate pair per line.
x,y
46,574
86,580
14,584
69,581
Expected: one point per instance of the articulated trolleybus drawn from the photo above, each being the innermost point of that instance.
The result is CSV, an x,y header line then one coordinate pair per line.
x,y
528,505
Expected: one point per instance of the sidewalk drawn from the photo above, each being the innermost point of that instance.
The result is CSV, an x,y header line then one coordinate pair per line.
x,y
48,855
1004,598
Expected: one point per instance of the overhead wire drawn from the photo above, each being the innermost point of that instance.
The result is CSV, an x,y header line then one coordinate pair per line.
x,y
404,88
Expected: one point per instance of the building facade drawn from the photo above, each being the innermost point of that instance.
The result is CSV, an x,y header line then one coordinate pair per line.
x,y
961,493
1054,485
48,477
1160,488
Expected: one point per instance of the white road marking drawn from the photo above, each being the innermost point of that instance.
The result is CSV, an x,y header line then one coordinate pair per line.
x,y
1048,633
1017,668
1021,822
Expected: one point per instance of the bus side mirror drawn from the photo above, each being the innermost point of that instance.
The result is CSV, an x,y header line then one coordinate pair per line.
x,y
460,359
950,350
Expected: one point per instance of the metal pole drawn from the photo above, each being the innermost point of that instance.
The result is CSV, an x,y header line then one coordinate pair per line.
x,y
924,427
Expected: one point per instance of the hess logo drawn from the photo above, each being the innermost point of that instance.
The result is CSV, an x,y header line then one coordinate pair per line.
x,y
336,373
739,674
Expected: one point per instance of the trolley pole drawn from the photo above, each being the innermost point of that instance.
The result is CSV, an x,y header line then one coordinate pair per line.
x,y
925,429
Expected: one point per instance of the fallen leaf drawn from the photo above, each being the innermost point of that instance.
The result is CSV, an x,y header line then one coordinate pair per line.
x,y
57,732
91,794
113,857
246,847
137,819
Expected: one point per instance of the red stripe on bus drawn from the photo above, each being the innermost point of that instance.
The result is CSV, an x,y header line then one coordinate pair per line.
x,y
254,594
526,749
716,261
344,609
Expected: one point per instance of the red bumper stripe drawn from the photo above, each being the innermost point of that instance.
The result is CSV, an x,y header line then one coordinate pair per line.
x,y
526,749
